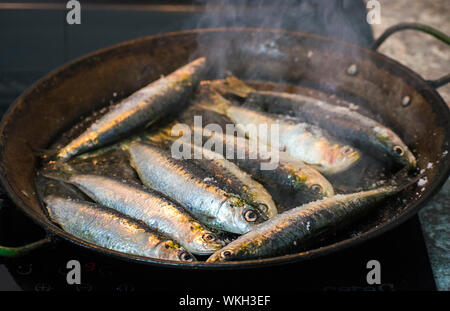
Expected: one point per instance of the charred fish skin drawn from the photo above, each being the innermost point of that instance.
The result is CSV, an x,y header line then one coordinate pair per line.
x,y
210,204
341,121
300,225
151,208
106,228
148,104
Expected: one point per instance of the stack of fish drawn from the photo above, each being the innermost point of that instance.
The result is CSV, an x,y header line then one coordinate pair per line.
x,y
214,205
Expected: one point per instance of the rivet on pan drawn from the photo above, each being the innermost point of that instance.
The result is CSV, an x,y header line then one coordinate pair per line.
x,y
353,70
406,100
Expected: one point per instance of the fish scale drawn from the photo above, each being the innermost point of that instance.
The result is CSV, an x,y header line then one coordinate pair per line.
x,y
151,208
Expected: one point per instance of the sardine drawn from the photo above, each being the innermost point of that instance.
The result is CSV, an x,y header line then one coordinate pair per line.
x,y
156,100
302,141
151,208
290,173
210,204
343,122
226,172
297,227
107,228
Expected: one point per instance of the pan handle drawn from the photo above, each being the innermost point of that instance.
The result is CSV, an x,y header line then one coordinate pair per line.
x,y
419,27
20,251
23,250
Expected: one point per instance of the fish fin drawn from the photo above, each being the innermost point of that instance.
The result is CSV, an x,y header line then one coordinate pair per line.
x,y
216,103
43,153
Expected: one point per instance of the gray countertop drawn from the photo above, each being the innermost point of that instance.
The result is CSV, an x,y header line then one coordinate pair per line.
x,y
431,59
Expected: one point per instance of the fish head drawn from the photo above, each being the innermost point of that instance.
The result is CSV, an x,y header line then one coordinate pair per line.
x,y
395,147
234,251
238,216
204,241
339,158
268,210
403,155
306,178
319,186
221,256
173,251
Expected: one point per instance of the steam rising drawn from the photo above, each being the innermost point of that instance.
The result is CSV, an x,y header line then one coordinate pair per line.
x,y
344,20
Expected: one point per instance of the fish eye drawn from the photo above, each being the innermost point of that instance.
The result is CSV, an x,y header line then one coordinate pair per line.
x,y
399,150
250,215
316,188
347,150
208,237
226,254
184,256
263,207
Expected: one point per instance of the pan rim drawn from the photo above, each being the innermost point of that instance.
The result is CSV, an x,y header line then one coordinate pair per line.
x,y
53,230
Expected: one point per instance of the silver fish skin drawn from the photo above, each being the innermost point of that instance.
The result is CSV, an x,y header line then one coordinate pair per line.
x,y
302,141
148,104
296,227
106,228
210,204
252,191
290,172
151,208
250,188
341,121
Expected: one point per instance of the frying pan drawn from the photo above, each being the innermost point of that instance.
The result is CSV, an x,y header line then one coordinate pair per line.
x,y
400,97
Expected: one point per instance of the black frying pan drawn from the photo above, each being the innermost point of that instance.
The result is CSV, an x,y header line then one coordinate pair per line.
x,y
405,101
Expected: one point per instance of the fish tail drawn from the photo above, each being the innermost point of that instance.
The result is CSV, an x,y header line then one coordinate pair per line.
x,y
403,180
59,170
43,153
239,87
